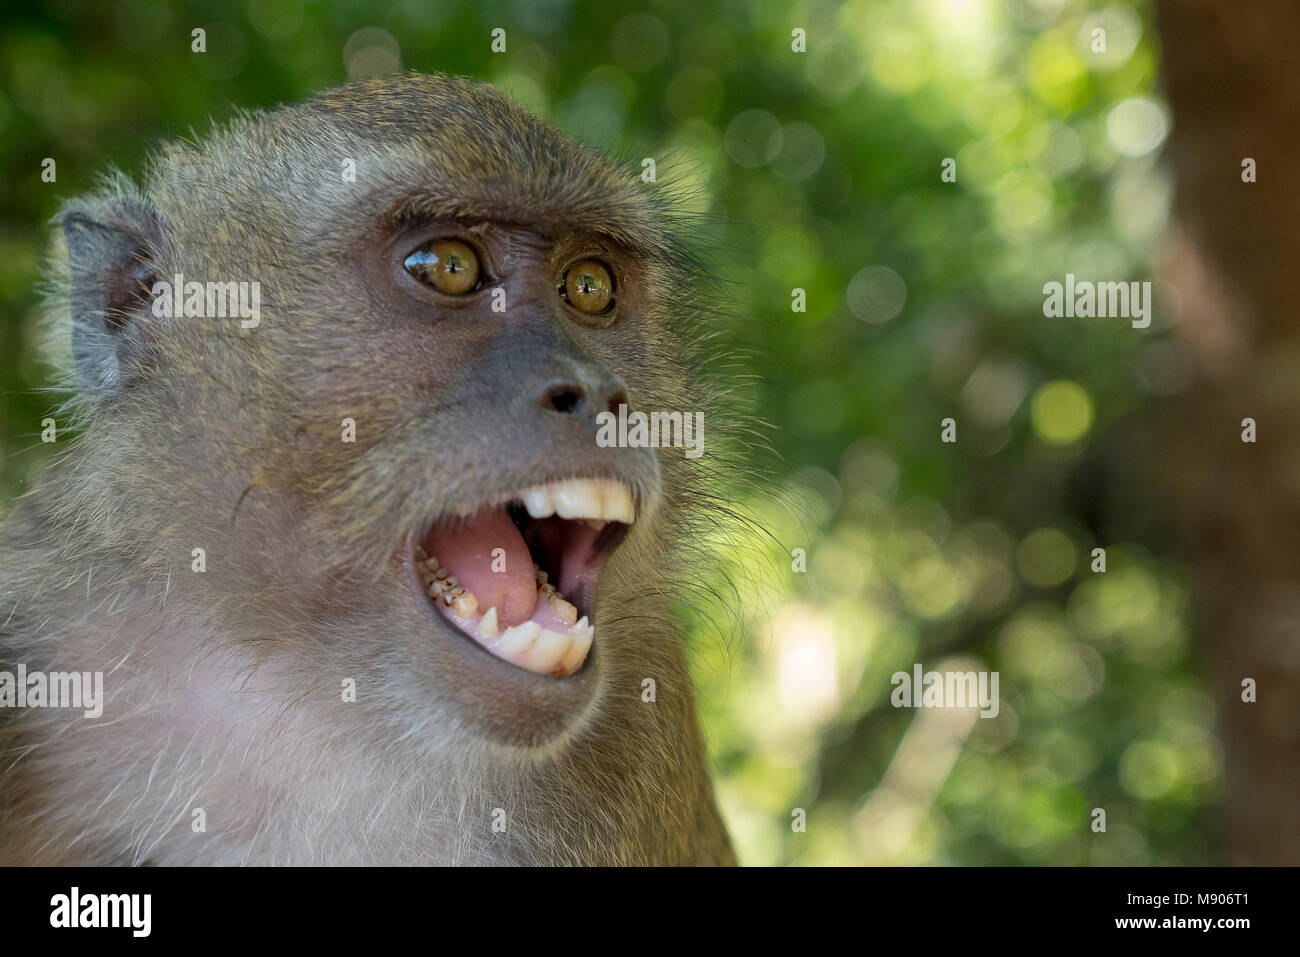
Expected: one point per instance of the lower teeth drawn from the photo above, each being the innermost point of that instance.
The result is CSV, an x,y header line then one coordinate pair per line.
x,y
527,644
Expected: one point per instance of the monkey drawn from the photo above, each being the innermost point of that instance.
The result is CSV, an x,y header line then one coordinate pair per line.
x,y
362,586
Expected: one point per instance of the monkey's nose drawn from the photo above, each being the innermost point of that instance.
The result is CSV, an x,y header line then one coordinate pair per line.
x,y
576,398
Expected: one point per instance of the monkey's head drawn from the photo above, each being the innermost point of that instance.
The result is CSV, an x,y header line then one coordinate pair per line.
x,y
386,467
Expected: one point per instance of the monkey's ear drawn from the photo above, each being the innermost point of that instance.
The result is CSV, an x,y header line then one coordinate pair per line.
x,y
112,246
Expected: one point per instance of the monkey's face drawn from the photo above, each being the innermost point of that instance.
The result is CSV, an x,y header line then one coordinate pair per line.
x,y
512,343
515,565
479,366
407,472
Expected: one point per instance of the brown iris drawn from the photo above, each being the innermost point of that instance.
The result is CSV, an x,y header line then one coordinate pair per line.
x,y
447,265
588,286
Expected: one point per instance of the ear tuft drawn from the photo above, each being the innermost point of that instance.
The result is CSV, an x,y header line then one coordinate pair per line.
x,y
112,246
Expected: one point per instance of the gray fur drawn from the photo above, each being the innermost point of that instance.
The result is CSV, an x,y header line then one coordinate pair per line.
x,y
223,688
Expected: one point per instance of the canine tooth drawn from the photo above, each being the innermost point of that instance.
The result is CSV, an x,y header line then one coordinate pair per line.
x,y
618,503
465,604
538,502
582,623
487,628
564,609
517,639
579,645
547,652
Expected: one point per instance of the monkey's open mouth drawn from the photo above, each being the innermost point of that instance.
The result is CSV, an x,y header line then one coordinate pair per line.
x,y
520,577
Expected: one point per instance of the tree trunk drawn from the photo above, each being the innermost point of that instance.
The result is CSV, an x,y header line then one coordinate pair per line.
x,y
1234,88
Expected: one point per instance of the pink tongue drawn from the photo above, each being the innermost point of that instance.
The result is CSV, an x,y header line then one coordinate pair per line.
x,y
464,547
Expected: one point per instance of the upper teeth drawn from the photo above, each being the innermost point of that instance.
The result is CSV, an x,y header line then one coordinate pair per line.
x,y
601,499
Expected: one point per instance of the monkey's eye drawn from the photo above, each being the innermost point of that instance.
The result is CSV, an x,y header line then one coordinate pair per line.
x,y
589,287
447,265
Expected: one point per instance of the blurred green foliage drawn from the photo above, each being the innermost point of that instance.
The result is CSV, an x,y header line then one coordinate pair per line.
x,y
924,300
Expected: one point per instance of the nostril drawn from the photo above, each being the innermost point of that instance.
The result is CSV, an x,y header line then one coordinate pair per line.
x,y
616,398
564,398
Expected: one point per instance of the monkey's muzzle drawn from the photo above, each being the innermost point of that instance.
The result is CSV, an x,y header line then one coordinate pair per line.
x,y
520,577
